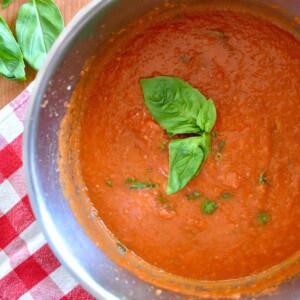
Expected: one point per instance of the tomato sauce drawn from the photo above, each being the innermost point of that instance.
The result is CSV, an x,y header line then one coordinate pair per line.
x,y
250,67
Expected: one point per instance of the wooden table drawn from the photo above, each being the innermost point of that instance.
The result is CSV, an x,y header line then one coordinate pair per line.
x,y
10,89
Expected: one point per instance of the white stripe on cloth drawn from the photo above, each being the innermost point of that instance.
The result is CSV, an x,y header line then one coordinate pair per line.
x,y
26,296
10,125
63,280
33,237
5,266
8,197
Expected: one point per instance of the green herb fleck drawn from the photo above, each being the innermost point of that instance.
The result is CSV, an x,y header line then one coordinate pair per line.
x,y
184,58
121,248
108,183
134,184
193,196
196,194
164,202
149,170
163,146
221,145
208,207
214,134
142,185
227,195
160,198
216,33
262,178
263,218
218,156
130,180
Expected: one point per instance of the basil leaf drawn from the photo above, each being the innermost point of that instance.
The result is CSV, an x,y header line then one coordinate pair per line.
x,y
5,3
173,103
207,116
38,24
186,159
11,59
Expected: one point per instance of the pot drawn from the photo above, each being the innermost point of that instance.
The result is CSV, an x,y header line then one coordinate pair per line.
x,y
97,273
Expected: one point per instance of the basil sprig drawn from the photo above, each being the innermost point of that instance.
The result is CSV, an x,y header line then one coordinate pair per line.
x,y
181,109
11,59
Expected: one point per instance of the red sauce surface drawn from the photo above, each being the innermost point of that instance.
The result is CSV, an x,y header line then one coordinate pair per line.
x,y
253,75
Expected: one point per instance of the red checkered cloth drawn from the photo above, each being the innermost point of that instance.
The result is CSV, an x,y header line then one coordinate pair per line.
x,y
28,268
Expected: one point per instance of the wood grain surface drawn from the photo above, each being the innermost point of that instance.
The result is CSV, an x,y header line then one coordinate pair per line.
x,y
10,89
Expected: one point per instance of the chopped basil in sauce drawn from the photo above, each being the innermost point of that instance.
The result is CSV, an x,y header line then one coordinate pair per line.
x,y
193,196
262,178
121,248
142,185
163,146
221,145
263,218
216,33
218,156
227,195
208,207
165,202
129,180
135,184
108,183
184,58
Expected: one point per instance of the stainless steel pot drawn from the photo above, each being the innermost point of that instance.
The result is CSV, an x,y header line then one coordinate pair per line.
x,y
55,83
